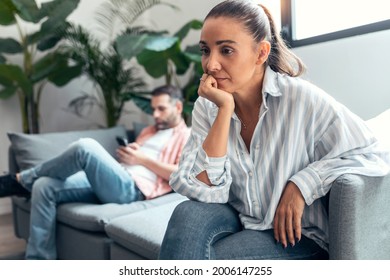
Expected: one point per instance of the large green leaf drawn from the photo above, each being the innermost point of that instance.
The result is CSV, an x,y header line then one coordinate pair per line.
x,y
2,59
5,82
154,58
46,40
193,24
57,13
181,61
7,16
64,74
129,46
160,43
59,6
15,74
9,45
28,10
8,92
44,67
155,63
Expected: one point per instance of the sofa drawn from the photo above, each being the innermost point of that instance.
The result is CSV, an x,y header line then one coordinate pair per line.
x,y
92,231
358,208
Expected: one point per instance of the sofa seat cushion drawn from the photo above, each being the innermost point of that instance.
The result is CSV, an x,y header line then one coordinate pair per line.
x,y
142,232
94,217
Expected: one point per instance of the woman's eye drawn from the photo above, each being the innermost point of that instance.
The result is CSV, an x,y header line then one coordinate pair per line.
x,y
204,51
227,51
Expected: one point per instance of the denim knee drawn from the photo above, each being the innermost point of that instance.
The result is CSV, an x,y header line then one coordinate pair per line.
x,y
41,190
86,145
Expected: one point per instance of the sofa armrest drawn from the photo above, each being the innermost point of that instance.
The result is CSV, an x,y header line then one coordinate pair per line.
x,y
359,217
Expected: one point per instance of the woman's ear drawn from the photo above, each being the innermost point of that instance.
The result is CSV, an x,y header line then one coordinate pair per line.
x,y
264,50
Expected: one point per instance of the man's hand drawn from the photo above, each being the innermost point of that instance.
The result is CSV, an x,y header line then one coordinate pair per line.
x,y
288,216
131,155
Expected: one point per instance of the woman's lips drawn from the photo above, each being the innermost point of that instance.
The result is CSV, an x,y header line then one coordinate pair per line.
x,y
220,79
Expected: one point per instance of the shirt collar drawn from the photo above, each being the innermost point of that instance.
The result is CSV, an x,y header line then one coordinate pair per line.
x,y
270,83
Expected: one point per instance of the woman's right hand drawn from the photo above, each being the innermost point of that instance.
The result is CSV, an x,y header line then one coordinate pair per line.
x,y
208,89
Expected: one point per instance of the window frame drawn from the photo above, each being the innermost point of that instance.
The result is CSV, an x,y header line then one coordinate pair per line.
x,y
287,27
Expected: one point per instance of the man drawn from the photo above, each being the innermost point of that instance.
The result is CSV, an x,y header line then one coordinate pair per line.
x,y
86,172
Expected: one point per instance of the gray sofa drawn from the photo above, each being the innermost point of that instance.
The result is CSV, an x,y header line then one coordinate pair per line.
x,y
359,211
92,231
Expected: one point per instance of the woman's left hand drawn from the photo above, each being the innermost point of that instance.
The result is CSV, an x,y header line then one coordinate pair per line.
x,y
288,216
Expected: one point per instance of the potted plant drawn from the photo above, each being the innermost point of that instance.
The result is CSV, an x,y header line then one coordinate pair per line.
x,y
117,81
42,62
161,55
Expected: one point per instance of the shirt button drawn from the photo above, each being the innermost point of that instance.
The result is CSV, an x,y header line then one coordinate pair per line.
x,y
250,173
258,146
314,196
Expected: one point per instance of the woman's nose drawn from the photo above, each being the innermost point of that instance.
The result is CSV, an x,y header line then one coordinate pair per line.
x,y
212,63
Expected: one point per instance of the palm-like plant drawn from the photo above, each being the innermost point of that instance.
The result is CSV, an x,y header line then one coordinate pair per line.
x,y
117,80
41,61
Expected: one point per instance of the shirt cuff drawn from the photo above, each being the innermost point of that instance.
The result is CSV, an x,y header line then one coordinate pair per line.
x,y
214,166
309,183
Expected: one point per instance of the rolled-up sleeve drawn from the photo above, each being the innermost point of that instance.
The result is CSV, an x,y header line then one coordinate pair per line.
x,y
347,146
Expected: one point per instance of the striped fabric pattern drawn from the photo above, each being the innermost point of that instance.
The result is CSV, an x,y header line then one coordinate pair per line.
x,y
303,135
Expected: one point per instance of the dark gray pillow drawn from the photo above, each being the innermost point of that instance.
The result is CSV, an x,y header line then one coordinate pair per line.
x,y
32,149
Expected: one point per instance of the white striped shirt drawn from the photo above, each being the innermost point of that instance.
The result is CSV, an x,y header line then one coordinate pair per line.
x,y
303,135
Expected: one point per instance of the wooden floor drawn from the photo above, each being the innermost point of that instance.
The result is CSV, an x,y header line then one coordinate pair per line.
x,y
11,247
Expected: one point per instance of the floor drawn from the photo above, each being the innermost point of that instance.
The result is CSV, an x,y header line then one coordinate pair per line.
x,y
11,247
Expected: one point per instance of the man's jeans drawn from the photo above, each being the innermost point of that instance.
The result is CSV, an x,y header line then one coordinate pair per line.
x,y
200,230
85,172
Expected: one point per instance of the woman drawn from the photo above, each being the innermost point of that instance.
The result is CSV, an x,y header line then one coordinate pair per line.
x,y
265,147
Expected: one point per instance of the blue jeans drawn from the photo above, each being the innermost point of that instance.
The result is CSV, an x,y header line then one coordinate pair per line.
x,y
85,172
199,231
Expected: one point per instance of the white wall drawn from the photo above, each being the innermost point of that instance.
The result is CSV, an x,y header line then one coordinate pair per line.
x,y
353,70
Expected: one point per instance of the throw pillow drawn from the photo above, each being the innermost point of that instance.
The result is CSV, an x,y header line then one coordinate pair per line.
x,y
32,149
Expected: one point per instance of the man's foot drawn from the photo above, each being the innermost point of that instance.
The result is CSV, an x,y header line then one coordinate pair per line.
x,y
10,186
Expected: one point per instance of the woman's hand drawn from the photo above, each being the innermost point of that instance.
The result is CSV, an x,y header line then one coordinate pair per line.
x,y
208,89
288,216
130,155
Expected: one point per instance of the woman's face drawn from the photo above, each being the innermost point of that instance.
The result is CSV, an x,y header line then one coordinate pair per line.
x,y
229,54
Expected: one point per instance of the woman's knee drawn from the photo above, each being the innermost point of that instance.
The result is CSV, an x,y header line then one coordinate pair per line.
x,y
194,214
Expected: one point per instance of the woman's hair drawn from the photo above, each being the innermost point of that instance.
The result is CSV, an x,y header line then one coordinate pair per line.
x,y
260,24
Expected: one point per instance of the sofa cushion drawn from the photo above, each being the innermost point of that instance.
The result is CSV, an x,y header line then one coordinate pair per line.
x,y
32,149
94,217
142,232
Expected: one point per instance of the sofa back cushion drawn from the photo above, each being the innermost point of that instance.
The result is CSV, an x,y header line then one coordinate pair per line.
x,y
31,149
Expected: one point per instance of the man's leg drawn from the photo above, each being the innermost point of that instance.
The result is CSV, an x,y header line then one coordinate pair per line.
x,y
47,193
108,179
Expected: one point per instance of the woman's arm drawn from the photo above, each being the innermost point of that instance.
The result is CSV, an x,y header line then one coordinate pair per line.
x,y
215,144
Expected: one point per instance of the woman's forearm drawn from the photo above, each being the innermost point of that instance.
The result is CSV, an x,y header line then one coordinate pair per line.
x,y
215,144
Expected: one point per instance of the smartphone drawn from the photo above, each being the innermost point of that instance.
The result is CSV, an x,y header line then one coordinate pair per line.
x,y
122,141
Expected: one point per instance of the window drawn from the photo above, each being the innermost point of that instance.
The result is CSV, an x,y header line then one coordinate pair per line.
x,y
307,22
